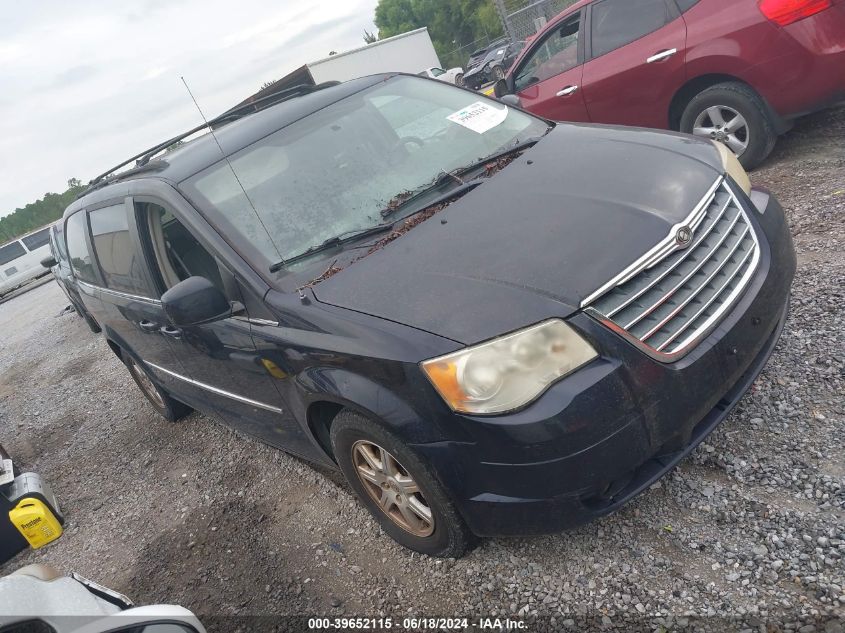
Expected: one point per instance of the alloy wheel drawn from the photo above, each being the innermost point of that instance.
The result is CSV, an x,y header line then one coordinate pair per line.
x,y
393,488
145,383
723,124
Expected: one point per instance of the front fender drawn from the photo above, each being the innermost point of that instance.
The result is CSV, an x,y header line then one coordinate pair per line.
x,y
354,391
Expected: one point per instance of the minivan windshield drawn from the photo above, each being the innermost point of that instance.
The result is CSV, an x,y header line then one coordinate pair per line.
x,y
338,170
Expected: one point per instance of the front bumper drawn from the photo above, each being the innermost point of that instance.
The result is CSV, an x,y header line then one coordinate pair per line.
x,y
604,434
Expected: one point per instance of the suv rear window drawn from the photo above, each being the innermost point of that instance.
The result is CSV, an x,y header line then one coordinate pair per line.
x,y
616,23
11,252
77,248
37,240
118,259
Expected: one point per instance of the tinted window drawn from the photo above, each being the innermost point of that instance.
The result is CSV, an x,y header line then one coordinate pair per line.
x,y
619,22
11,252
120,263
556,53
80,258
686,5
37,240
178,253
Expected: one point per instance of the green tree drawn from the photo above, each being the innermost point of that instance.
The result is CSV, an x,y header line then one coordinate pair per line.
x,y
454,25
39,213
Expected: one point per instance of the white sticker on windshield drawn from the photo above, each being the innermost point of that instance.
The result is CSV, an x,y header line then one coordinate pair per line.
x,y
479,116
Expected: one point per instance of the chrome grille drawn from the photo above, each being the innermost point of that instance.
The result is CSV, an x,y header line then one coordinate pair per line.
x,y
675,293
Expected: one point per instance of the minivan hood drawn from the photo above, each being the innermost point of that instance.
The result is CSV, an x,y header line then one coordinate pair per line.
x,y
535,239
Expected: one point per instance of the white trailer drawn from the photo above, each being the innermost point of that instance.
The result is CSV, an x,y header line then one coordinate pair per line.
x,y
410,52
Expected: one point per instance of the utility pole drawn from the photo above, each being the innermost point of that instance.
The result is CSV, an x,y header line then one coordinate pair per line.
x,y
506,23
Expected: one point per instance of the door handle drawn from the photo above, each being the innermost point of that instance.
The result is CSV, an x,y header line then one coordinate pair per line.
x,y
657,57
148,326
172,332
569,90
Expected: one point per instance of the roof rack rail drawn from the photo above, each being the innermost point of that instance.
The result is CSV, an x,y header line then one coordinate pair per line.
x,y
143,158
107,179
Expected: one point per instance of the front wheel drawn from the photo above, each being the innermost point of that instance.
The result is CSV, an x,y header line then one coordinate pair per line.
x,y
459,79
170,409
733,114
498,73
398,489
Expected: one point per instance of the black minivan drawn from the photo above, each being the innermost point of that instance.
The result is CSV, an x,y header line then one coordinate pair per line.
x,y
493,324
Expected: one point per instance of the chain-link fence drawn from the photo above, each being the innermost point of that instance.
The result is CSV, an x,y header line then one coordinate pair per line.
x,y
521,18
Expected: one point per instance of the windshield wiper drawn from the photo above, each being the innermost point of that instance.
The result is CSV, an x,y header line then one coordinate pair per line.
x,y
335,240
516,147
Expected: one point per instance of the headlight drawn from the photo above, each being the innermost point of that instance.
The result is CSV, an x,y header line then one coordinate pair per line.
x,y
733,167
508,372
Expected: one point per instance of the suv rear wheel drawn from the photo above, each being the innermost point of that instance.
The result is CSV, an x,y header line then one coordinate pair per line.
x,y
398,489
170,409
733,114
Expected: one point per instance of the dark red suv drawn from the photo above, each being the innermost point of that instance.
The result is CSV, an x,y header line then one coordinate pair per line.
x,y
732,70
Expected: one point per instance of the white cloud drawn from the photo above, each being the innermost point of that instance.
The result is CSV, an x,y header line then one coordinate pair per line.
x,y
84,85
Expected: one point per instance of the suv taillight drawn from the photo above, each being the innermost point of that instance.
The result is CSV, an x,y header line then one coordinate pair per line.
x,y
783,12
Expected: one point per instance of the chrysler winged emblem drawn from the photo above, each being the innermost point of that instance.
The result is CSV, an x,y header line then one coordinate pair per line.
x,y
683,236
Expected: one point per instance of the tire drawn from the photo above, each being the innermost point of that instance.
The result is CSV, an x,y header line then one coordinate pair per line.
x,y
726,99
170,409
498,73
459,79
447,536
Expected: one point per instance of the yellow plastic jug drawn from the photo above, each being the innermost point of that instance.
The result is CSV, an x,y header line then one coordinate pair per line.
x,y
36,522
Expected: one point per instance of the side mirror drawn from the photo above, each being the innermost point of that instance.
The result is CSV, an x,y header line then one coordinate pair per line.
x,y
195,301
500,88
49,262
512,100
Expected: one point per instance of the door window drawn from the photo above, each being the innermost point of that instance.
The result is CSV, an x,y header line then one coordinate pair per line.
x,y
77,248
616,23
178,254
119,261
36,240
556,53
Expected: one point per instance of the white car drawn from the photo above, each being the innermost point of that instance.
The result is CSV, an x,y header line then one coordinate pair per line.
x,y
40,598
451,76
20,259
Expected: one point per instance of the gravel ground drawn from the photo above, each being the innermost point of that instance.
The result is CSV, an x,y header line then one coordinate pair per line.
x,y
746,534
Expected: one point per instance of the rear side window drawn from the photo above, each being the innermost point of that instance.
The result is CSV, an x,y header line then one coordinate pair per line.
x,y
120,263
77,248
11,252
616,23
686,5
36,240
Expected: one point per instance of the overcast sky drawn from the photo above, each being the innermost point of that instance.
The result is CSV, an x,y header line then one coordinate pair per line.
x,y
86,84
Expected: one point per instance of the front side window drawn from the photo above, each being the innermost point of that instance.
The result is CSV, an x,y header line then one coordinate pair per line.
x,y
77,247
177,252
336,170
556,53
36,240
616,23
119,261
11,252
